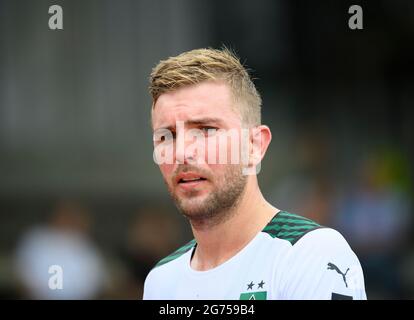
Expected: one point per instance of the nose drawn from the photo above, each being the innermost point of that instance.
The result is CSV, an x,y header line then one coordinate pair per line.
x,y
188,147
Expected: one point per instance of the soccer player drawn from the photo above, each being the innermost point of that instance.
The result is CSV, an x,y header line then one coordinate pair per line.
x,y
243,247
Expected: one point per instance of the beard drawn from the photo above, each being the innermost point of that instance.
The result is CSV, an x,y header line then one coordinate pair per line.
x,y
217,206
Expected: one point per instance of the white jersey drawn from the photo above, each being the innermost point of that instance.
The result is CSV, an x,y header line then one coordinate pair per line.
x,y
291,258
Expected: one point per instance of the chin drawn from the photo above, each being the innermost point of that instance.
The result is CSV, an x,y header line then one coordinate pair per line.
x,y
193,208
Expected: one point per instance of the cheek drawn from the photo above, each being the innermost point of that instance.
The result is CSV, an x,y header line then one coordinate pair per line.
x,y
223,150
167,170
218,172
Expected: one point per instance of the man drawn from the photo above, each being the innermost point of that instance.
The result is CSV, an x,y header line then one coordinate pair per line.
x,y
243,247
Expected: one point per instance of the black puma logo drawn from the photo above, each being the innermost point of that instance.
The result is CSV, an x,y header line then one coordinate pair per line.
x,y
331,266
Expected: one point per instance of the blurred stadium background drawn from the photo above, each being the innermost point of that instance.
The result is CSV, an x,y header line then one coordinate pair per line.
x,y
78,186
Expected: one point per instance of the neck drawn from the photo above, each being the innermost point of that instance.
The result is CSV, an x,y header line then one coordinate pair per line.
x,y
219,242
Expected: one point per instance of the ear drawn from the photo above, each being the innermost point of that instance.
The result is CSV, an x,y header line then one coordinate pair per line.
x,y
259,141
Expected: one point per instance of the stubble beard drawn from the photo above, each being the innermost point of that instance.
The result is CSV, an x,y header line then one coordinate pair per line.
x,y
219,205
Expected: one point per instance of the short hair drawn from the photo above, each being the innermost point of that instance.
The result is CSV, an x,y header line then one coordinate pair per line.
x,y
199,65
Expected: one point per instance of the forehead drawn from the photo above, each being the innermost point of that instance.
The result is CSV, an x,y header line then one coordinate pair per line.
x,y
204,100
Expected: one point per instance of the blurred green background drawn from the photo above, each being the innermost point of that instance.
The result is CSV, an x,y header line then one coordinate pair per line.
x,y
78,185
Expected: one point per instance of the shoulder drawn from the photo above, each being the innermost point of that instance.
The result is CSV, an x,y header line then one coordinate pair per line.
x,y
176,254
322,248
290,227
322,265
322,242
307,237
314,255
162,276
300,231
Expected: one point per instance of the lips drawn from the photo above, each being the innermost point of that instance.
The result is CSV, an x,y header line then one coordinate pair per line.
x,y
189,178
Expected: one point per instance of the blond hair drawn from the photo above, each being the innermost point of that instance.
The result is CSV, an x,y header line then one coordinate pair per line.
x,y
196,66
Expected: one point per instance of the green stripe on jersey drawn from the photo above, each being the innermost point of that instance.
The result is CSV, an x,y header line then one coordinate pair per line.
x,y
284,225
289,226
176,254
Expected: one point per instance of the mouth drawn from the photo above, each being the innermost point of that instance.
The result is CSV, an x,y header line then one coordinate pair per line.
x,y
190,180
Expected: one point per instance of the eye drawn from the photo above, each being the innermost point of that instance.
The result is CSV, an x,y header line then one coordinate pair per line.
x,y
168,137
163,135
209,130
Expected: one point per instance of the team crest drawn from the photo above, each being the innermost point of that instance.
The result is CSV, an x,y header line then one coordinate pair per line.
x,y
254,295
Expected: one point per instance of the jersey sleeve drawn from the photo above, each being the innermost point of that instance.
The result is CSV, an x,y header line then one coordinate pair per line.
x,y
322,266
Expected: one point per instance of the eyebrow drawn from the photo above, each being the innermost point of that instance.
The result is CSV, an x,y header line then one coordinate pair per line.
x,y
200,121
